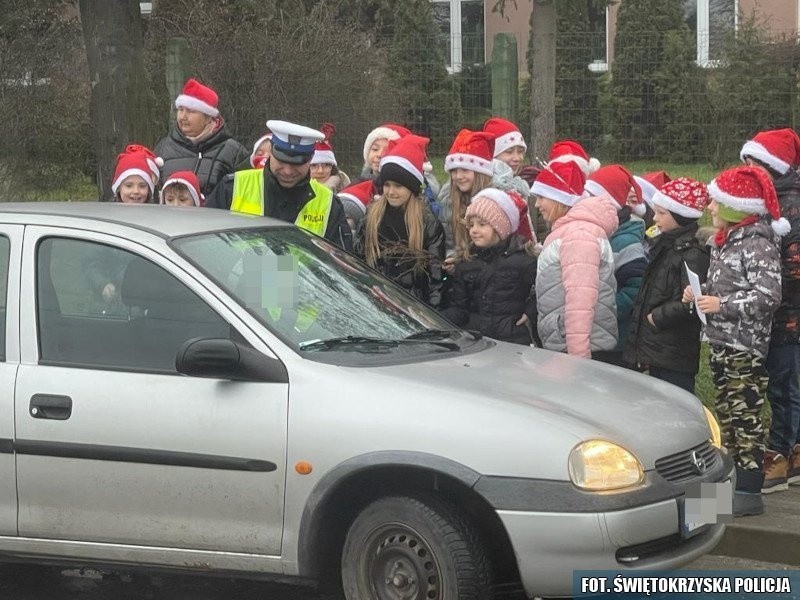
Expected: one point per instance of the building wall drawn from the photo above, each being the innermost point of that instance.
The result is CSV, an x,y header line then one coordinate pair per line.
x,y
515,21
780,16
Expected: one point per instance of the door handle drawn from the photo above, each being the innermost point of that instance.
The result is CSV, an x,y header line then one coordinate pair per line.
x,y
48,406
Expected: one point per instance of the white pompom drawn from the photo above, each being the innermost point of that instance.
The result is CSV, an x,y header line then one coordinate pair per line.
x,y
594,164
781,227
427,167
159,161
640,209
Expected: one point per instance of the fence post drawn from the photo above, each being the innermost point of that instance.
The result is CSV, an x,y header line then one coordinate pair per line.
x,y
179,68
505,77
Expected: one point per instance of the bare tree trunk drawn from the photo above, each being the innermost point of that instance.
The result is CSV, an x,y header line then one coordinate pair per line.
x,y
543,77
112,32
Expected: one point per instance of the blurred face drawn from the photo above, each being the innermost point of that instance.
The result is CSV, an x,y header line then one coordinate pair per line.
x,y
632,201
133,190
482,234
396,195
264,148
550,210
716,221
664,219
375,154
192,122
321,172
463,179
177,195
513,157
287,174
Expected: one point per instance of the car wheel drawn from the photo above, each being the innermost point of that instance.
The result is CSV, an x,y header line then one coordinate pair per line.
x,y
409,548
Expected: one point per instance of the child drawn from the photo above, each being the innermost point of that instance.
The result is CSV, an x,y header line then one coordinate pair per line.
x,y
182,189
492,289
133,180
260,154
778,151
509,143
664,336
323,164
575,283
650,184
355,198
401,237
739,299
616,183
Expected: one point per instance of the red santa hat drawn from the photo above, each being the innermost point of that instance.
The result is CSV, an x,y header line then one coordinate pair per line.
x,y
506,135
472,150
496,208
560,181
153,161
615,181
258,161
360,194
651,183
132,163
682,196
779,149
749,190
323,151
187,178
570,150
403,162
388,131
199,97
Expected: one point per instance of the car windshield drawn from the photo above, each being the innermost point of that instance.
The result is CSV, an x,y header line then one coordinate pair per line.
x,y
316,297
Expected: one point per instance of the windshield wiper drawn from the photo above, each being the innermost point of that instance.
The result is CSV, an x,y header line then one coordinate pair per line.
x,y
439,334
359,340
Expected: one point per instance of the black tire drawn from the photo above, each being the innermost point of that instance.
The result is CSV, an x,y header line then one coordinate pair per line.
x,y
413,548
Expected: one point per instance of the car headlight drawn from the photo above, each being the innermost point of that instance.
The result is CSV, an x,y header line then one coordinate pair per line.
x,y
716,434
599,465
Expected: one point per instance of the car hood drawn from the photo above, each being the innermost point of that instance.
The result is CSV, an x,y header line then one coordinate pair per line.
x,y
580,397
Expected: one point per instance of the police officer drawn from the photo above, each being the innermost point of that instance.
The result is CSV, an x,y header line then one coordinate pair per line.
x,y
284,189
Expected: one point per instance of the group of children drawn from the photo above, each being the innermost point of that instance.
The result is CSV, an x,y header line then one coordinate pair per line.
x,y
583,259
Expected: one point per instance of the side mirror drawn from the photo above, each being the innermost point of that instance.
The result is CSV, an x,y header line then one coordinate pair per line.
x,y
219,358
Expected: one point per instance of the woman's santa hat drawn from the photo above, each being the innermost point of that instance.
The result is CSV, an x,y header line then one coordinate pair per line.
x,y
506,135
560,181
258,162
132,163
616,182
403,162
471,150
570,150
153,161
496,208
749,190
388,131
323,151
779,149
682,196
650,184
199,97
187,178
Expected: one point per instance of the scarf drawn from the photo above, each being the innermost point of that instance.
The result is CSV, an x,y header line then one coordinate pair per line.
x,y
722,235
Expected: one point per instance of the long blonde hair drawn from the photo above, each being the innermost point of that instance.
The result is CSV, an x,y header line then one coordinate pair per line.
x,y
458,202
415,226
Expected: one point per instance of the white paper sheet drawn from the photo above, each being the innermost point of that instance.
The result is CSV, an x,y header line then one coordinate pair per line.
x,y
694,283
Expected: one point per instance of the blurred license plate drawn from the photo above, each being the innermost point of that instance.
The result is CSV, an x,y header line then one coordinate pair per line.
x,y
705,504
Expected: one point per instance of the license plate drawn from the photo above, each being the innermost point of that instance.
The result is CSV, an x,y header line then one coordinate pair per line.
x,y
703,505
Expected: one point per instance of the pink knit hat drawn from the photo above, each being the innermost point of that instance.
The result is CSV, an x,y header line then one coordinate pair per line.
x,y
497,209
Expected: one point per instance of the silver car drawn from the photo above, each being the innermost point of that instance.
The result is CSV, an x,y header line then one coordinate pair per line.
x,y
207,391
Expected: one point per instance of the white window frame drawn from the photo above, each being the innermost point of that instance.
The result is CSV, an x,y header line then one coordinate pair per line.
x,y
599,66
456,42
704,32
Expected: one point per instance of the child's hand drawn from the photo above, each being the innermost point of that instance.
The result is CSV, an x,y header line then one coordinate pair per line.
x,y
522,320
449,265
708,304
688,295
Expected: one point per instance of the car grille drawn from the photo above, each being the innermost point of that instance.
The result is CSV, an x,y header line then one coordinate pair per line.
x,y
681,465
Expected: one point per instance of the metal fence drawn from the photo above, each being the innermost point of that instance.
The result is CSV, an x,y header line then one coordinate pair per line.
x,y
636,108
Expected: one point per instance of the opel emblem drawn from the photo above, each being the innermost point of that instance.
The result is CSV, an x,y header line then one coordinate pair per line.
x,y
698,462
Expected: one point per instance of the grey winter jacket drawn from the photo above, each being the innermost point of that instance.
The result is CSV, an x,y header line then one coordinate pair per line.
x,y
745,272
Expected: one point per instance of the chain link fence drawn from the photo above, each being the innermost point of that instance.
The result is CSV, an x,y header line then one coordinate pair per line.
x,y
313,68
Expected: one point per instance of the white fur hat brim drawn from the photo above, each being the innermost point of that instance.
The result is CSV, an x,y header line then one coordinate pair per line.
x,y
193,103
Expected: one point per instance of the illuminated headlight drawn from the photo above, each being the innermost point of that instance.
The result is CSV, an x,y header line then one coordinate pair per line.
x,y
716,435
599,465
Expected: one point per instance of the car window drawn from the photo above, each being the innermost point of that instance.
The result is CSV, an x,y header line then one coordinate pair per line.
x,y
5,248
103,307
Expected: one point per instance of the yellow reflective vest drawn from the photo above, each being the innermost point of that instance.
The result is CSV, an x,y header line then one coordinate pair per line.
x,y
248,197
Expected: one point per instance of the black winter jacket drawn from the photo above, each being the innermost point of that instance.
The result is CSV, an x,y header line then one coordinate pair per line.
x,y
786,323
210,160
674,343
491,292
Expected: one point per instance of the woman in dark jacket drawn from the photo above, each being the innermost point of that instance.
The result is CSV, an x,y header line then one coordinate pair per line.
x,y
492,291
198,141
664,334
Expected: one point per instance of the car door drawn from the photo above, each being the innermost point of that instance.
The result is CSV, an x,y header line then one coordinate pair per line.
x,y
10,249
113,445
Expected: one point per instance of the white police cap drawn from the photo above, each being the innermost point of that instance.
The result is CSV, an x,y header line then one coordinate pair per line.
x,y
293,143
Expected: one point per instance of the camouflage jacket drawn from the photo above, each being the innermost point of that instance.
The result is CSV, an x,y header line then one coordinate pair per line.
x,y
745,272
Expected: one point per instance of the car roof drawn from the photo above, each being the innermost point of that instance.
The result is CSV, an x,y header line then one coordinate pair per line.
x,y
164,221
